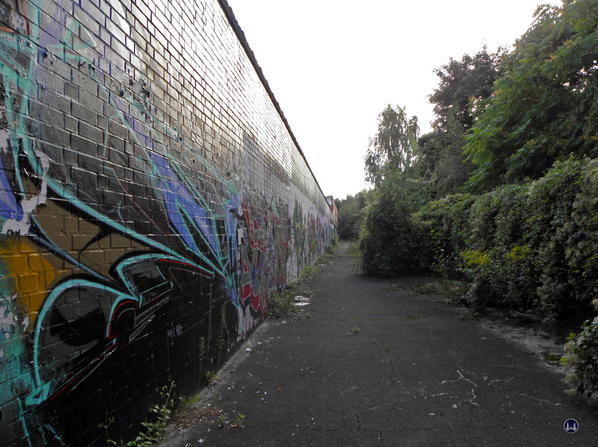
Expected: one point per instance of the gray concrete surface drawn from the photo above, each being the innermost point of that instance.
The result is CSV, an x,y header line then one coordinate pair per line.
x,y
380,367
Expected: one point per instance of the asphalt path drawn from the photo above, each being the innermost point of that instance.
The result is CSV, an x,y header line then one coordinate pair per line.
x,y
377,364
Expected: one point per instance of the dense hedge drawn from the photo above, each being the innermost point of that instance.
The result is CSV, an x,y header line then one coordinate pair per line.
x,y
530,247
391,243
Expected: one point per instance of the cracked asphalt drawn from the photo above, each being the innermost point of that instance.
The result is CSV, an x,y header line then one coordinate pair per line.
x,y
377,364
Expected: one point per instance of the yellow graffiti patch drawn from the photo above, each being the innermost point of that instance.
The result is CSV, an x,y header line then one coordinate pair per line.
x,y
31,272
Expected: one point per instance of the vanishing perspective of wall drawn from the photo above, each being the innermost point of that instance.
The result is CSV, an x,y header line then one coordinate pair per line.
x,y
152,197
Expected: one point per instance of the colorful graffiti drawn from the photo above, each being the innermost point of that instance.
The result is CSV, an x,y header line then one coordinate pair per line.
x,y
129,256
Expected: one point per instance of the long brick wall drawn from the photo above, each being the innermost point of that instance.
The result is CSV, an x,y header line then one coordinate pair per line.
x,y
152,197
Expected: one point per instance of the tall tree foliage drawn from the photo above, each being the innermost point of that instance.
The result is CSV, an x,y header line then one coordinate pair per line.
x,y
545,106
388,237
462,85
394,148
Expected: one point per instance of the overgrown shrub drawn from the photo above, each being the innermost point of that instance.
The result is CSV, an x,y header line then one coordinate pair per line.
x,y
567,250
502,280
391,243
538,242
445,223
581,356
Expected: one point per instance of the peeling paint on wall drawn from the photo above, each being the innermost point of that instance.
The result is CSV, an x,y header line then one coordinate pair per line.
x,y
151,201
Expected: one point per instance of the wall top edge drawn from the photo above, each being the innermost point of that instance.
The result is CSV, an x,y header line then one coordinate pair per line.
x,y
228,11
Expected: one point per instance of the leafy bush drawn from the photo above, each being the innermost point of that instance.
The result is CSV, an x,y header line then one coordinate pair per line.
x,y
500,280
531,247
392,243
562,242
445,223
581,355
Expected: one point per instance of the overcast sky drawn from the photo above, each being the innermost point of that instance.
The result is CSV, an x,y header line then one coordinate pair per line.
x,y
334,65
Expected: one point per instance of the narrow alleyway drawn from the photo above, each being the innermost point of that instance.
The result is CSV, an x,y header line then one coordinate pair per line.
x,y
377,364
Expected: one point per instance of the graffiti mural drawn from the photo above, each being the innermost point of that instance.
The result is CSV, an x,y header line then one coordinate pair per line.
x,y
140,236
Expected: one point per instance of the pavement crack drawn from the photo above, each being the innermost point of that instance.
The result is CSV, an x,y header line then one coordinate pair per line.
x,y
461,377
473,397
541,400
498,381
391,374
353,388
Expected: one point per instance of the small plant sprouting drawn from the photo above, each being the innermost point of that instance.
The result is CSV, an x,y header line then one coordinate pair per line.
x,y
153,430
356,330
211,377
240,419
188,402
308,271
223,422
105,425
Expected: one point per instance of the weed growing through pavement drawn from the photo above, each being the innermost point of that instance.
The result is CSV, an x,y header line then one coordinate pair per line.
x,y
282,302
356,330
224,421
188,402
240,418
153,430
106,425
211,377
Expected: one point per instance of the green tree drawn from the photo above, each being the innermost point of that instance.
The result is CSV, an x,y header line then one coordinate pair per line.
x,y
389,237
350,212
395,146
545,106
463,84
391,242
